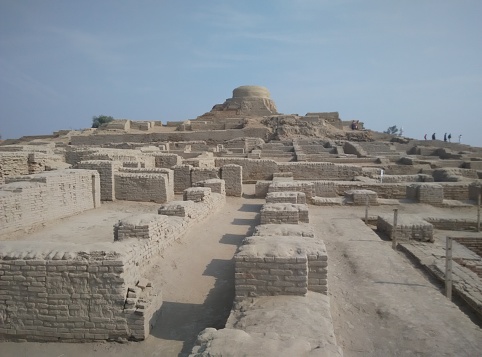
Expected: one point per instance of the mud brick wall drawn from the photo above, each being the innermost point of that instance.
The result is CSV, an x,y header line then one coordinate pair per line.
x,y
216,185
39,162
386,190
233,178
280,265
26,201
132,158
453,174
406,178
13,164
144,187
408,227
456,190
453,224
165,160
325,189
307,188
196,194
106,170
168,176
320,170
193,210
359,197
299,230
74,155
217,136
66,296
252,169
286,197
430,193
182,177
284,213
201,174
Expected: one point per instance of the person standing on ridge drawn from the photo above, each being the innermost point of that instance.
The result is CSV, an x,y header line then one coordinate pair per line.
x,y
433,136
445,137
449,137
425,136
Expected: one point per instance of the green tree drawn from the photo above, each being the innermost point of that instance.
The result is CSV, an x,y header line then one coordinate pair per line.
x,y
392,130
101,119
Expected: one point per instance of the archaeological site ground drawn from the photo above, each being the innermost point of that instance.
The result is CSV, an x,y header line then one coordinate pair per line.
x,y
242,232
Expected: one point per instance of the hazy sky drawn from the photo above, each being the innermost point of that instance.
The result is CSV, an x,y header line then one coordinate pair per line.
x,y
416,64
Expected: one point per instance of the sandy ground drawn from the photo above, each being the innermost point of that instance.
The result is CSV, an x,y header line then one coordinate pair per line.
x,y
381,304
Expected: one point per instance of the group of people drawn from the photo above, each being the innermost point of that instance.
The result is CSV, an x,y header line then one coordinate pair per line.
x,y
446,137
354,124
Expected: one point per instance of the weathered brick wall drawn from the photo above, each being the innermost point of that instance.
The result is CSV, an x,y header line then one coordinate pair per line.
x,y
13,164
182,177
106,170
453,174
307,188
430,193
144,187
233,178
280,265
456,190
216,185
61,296
201,174
217,136
409,227
388,190
165,160
453,224
252,169
26,201
320,170
286,197
362,197
288,213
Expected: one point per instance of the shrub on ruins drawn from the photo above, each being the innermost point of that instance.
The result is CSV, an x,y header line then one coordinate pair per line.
x,y
392,130
101,119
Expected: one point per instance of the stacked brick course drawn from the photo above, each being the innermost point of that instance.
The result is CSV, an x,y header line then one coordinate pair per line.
x,y
27,201
233,178
429,193
286,197
106,170
362,197
284,213
409,227
148,185
280,265
216,185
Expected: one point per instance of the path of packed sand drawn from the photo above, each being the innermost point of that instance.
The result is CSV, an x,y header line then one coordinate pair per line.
x,y
381,304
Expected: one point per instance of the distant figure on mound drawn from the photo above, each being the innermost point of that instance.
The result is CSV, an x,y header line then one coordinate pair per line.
x,y
449,137
425,136
354,125
433,136
445,137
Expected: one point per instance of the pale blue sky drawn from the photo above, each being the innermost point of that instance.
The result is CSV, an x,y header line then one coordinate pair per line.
x,y
413,63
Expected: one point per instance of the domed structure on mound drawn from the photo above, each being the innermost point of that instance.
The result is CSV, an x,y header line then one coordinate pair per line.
x,y
247,101
251,92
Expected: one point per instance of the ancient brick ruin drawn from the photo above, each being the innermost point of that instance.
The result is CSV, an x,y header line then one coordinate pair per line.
x,y
98,290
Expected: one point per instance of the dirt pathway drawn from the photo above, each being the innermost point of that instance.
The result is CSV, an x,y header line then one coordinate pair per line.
x,y
381,304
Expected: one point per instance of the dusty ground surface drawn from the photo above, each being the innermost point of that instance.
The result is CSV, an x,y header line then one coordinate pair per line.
x,y
381,304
